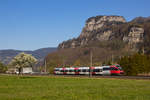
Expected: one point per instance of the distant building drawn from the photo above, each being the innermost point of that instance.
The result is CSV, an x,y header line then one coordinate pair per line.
x,y
13,70
27,70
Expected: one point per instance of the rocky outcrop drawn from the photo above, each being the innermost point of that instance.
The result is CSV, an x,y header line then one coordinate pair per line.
x,y
104,36
95,29
108,28
135,35
98,22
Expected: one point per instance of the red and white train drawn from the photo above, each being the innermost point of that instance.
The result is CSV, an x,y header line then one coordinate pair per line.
x,y
99,70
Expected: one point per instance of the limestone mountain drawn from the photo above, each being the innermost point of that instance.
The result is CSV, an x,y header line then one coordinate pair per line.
x,y
96,28
111,29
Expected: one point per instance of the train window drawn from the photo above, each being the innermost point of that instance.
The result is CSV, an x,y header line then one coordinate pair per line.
x,y
115,69
61,70
120,68
112,68
83,70
104,69
95,70
78,70
117,65
71,70
66,70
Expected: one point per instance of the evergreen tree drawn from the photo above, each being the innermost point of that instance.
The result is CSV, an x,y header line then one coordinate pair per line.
x,y
135,64
3,68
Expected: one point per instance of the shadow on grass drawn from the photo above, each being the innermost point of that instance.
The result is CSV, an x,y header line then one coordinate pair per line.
x,y
27,77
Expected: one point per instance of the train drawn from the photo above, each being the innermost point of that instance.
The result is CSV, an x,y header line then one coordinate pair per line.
x,y
97,70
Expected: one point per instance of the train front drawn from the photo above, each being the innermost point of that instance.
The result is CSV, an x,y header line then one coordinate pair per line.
x,y
116,70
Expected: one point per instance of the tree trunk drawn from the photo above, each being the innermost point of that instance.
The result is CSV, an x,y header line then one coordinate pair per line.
x,y
19,70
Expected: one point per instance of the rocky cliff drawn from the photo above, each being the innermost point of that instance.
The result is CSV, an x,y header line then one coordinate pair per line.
x,y
98,22
101,29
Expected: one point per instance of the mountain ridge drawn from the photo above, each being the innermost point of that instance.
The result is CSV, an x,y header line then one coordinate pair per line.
x,y
7,54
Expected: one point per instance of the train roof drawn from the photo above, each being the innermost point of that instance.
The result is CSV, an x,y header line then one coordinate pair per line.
x,y
82,67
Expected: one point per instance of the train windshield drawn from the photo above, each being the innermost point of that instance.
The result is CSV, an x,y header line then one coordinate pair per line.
x,y
117,65
120,68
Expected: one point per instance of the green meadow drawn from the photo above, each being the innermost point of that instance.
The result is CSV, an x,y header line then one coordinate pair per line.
x,y
67,88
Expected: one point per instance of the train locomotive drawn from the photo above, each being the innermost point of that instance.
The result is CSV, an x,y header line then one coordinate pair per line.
x,y
98,70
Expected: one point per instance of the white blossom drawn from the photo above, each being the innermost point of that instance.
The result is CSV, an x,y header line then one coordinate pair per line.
x,y
23,60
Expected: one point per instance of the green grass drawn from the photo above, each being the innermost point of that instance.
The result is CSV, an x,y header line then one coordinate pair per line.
x,y
61,88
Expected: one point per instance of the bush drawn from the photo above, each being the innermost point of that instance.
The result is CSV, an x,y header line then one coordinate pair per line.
x,y
3,68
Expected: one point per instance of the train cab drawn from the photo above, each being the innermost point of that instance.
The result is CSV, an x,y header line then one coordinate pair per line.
x,y
116,70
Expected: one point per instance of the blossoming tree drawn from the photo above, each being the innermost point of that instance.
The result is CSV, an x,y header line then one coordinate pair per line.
x,y
23,60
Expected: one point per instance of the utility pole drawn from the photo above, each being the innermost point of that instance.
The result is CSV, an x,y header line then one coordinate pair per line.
x,y
45,65
143,51
91,57
112,59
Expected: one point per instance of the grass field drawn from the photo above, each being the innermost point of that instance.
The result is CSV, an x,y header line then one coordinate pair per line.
x,y
61,88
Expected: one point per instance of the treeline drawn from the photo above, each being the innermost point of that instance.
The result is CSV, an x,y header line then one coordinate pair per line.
x,y
135,64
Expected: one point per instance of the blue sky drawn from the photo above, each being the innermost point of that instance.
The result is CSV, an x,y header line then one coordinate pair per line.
x,y
33,24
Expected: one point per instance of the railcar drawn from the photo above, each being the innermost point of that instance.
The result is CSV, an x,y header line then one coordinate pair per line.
x,y
98,70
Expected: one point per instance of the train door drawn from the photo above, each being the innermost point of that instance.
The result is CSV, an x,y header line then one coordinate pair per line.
x,y
71,71
77,71
66,71
81,70
106,70
61,71
86,70
56,71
